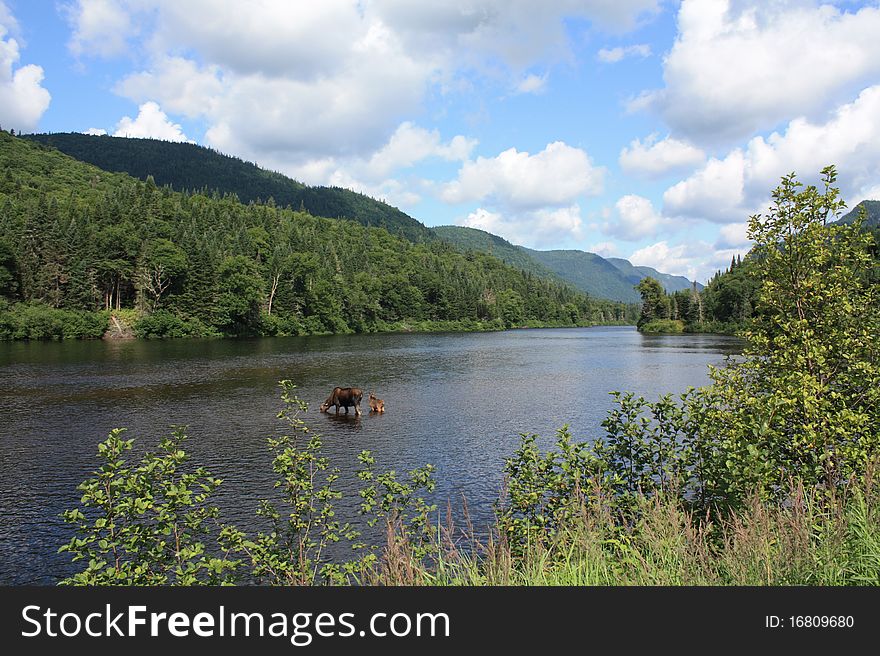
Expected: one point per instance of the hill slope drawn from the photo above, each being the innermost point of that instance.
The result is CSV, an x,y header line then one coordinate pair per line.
x,y
190,167
872,207
480,241
612,278
588,272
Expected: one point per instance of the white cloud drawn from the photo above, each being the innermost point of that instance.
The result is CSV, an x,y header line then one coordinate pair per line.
x,y
150,123
537,228
737,68
715,192
656,158
614,55
514,31
532,84
298,84
483,219
636,218
732,188
96,132
410,144
679,260
733,236
604,249
555,176
182,85
23,99
100,27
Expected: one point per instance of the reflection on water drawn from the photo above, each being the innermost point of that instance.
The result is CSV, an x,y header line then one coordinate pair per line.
x,y
458,401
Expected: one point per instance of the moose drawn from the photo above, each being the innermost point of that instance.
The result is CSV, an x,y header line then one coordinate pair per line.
x,y
376,405
346,397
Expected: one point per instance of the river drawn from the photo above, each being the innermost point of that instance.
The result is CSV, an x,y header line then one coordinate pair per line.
x,y
456,400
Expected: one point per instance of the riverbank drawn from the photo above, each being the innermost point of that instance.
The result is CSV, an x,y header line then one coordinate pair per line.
x,y
678,327
35,321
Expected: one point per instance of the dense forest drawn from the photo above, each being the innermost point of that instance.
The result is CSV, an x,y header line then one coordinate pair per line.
x,y
189,167
82,250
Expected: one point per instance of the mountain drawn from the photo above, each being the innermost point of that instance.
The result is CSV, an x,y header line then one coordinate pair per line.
x,y
186,166
588,272
611,278
634,273
872,208
76,240
480,241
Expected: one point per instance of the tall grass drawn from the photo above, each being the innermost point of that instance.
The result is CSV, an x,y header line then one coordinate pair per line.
x,y
808,540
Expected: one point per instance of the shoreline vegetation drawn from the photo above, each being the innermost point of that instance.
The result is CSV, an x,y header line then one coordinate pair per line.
x,y
36,322
766,476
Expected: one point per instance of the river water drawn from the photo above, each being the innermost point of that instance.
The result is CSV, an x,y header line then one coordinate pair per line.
x,y
457,400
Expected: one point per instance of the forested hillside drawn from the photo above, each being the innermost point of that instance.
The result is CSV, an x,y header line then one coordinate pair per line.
x,y
188,167
611,278
473,239
587,271
77,243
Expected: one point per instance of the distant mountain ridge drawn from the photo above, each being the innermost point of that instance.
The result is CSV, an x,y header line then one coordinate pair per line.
x,y
872,208
612,278
186,166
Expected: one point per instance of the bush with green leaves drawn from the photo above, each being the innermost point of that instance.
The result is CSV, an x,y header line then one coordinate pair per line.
x,y
147,524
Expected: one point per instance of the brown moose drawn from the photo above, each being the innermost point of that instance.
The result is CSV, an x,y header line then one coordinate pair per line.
x,y
345,397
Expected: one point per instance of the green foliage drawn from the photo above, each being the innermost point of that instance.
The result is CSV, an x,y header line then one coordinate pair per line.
x,y
805,401
655,302
294,551
37,321
663,326
544,492
149,524
163,323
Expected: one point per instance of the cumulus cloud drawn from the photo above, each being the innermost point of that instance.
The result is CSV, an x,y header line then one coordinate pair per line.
x,y
733,236
23,99
604,249
532,84
653,158
732,188
304,83
96,132
679,259
737,68
635,219
614,55
410,144
510,30
150,123
100,27
535,228
183,86
555,176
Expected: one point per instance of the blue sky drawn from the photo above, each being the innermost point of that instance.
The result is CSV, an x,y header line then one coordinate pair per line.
x,y
644,129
